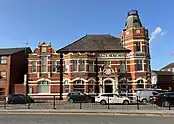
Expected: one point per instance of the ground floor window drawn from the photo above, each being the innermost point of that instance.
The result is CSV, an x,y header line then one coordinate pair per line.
x,y
43,87
66,88
78,86
140,84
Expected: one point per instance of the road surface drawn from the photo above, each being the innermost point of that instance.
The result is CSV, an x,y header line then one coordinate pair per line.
x,y
83,119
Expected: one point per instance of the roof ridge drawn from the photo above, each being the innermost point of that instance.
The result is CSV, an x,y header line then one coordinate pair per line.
x,y
14,47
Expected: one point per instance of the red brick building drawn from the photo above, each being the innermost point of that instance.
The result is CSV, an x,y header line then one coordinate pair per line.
x,y
118,69
43,77
94,63
13,66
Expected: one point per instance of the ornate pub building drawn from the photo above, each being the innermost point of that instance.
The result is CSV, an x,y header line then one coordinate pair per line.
x,y
94,63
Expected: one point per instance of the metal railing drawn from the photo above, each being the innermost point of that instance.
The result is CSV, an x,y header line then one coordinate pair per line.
x,y
53,102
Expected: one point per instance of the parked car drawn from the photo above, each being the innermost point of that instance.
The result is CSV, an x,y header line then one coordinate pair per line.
x,y
164,99
145,95
111,98
79,97
18,99
152,98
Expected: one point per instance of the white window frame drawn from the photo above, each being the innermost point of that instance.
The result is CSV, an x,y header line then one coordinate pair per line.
x,y
74,69
54,66
142,64
32,66
122,64
48,84
92,66
139,45
82,65
45,65
65,66
3,59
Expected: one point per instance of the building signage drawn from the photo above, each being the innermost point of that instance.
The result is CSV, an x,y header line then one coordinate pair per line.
x,y
111,55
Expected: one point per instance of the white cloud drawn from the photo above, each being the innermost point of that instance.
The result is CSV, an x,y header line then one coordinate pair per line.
x,y
157,31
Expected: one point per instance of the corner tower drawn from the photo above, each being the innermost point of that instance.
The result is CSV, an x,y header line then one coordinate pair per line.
x,y
135,37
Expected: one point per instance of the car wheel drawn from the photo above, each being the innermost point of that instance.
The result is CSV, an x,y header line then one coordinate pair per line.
x,y
11,102
89,100
70,101
144,101
165,103
103,102
125,102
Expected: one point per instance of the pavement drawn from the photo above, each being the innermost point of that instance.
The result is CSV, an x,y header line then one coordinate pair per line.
x,y
88,112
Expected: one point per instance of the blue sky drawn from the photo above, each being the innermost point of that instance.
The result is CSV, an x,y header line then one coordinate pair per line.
x,y
64,21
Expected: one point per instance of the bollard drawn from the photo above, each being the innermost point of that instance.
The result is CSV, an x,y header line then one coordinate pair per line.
x,y
54,102
108,102
138,103
169,106
29,104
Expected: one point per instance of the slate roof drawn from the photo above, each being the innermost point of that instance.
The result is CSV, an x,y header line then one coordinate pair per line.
x,y
171,65
10,51
163,72
95,43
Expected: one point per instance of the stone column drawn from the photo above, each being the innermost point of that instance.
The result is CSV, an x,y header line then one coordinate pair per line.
x,y
115,86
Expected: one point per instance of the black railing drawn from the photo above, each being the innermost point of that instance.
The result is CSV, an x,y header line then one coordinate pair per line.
x,y
53,102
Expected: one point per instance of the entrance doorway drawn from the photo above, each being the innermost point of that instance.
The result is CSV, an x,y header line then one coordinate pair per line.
x,y
108,89
108,86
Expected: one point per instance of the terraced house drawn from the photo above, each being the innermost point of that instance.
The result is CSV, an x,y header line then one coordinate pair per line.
x,y
94,63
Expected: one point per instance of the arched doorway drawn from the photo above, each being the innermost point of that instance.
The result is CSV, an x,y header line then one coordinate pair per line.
x,y
78,86
43,86
140,84
108,87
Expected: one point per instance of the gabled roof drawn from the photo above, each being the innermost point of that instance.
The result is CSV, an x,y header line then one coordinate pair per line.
x,y
171,65
10,51
163,72
95,43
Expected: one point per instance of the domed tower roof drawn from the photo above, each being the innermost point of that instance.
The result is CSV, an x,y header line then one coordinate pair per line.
x,y
133,20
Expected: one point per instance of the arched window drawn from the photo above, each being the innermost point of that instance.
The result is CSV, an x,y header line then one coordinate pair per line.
x,y
78,86
43,87
140,84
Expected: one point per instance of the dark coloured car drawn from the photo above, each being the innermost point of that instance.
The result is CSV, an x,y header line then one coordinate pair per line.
x,y
79,97
19,99
164,99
